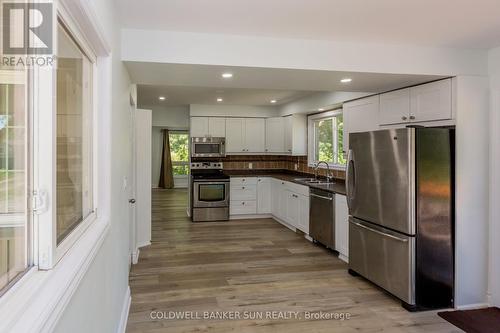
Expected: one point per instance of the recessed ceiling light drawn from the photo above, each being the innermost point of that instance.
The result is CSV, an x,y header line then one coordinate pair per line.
x,y
219,99
162,98
227,75
273,101
320,109
346,80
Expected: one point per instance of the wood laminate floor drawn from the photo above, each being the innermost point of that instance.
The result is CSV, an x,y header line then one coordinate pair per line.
x,y
252,268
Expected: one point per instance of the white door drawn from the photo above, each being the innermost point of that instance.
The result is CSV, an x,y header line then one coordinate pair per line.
x,y
395,107
255,135
303,224
282,201
235,135
132,184
217,127
275,136
292,209
431,101
143,132
199,127
264,196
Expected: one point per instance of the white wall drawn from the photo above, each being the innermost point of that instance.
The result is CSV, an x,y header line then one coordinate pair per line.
x,y
472,191
233,110
250,51
494,69
319,100
97,304
171,117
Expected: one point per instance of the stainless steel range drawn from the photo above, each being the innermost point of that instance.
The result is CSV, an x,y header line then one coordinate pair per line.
x,y
210,192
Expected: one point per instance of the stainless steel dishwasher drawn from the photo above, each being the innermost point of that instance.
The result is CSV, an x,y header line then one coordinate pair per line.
x,y
322,217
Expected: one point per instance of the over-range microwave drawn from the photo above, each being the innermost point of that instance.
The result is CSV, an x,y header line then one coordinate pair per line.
x,y
208,147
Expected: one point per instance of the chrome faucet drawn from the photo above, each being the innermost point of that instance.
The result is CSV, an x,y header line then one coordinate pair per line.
x,y
329,175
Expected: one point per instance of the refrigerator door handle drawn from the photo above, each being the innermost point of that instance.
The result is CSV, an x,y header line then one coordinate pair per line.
x,y
380,232
350,178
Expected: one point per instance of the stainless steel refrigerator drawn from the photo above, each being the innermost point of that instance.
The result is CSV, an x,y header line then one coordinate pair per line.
x,y
400,193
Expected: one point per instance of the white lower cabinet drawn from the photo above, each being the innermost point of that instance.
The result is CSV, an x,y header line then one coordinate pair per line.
x,y
342,227
288,202
264,195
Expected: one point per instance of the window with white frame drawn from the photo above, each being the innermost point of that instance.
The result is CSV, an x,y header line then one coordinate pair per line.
x,y
326,139
179,153
47,156
74,134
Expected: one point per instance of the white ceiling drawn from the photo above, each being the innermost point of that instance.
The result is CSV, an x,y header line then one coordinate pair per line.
x,y
446,23
183,95
202,84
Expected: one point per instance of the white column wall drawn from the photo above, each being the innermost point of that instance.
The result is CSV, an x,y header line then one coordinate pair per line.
x,y
494,257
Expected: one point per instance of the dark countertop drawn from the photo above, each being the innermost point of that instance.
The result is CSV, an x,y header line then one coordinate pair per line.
x,y
338,186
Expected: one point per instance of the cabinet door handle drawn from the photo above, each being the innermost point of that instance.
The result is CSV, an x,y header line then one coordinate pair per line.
x,y
404,118
295,195
243,187
412,117
243,203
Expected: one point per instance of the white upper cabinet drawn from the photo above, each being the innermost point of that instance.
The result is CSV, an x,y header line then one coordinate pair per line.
x,y
275,135
432,101
245,135
235,135
208,126
427,102
394,107
199,127
360,115
217,127
255,135
296,134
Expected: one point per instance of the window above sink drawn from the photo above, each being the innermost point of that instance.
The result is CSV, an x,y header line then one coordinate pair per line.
x,y
326,139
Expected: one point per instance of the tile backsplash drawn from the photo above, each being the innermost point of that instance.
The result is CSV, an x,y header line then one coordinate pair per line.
x,y
269,162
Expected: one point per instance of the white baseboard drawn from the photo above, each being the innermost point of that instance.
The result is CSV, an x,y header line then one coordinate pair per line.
x,y
251,216
135,256
143,244
343,258
309,238
125,310
472,306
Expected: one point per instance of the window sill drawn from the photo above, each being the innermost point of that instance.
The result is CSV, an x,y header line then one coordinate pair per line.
x,y
36,302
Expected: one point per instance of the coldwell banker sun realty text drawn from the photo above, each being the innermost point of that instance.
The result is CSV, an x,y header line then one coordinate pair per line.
x,y
27,33
248,315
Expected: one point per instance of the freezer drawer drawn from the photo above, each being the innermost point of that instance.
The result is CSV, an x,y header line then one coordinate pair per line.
x,y
384,257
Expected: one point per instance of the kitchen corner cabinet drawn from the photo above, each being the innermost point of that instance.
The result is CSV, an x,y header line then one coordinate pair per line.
x,y
341,227
245,135
296,134
361,115
208,127
275,135
426,102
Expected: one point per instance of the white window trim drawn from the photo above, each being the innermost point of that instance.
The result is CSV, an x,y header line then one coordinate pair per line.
x,y
311,139
36,302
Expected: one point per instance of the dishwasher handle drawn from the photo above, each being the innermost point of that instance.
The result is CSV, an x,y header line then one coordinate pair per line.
x,y
321,197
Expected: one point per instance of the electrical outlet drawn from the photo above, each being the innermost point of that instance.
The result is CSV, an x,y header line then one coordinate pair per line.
x,y
250,165
296,167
